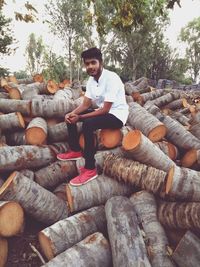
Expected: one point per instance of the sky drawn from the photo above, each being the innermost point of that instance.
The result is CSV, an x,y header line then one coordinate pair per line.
x,y
179,17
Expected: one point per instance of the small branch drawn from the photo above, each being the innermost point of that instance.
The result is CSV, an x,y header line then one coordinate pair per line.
x,y
37,252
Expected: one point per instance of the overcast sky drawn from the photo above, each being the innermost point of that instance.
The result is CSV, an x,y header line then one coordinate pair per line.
x,y
179,17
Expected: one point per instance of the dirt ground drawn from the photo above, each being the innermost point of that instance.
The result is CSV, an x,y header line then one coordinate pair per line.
x,y
20,252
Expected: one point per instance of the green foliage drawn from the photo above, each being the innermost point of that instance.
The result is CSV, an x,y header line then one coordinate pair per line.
x,y
191,36
6,38
21,74
3,72
55,67
35,54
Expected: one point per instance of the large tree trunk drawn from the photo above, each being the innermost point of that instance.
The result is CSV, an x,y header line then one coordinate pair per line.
x,y
179,215
66,233
11,218
145,206
183,184
3,251
56,173
127,244
11,121
135,173
36,131
36,201
149,125
138,147
94,193
187,253
10,105
94,250
50,108
20,157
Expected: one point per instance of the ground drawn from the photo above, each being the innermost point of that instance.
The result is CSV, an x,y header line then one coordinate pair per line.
x,y
20,252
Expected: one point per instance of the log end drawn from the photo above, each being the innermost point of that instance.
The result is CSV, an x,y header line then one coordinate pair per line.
x,y
14,93
110,138
21,119
52,87
189,158
172,151
38,78
131,140
170,176
69,198
35,136
46,245
3,251
7,183
12,219
157,133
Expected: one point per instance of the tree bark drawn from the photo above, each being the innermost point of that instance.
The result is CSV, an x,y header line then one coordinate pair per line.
x,y
127,244
179,215
135,173
145,206
16,138
149,125
56,173
68,232
40,203
94,250
36,132
169,149
97,192
20,157
151,95
183,184
10,105
11,121
165,99
138,147
3,251
11,218
187,253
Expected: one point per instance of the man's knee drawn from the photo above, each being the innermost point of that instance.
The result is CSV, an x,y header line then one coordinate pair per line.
x,y
88,125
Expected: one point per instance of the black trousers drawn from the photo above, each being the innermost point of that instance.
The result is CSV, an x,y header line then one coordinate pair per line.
x,y
107,121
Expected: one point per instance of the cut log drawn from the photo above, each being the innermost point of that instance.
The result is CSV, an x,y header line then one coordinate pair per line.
x,y
60,147
127,244
110,138
4,95
36,132
57,132
195,130
38,78
68,93
94,193
11,218
190,158
94,250
149,125
25,80
28,173
183,184
166,99
35,200
21,157
3,251
179,215
145,206
56,173
140,148
10,105
151,95
16,138
66,233
175,104
169,149
185,121
135,173
50,108
187,253
11,121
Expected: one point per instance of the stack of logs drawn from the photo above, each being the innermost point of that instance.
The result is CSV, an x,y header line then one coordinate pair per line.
x,y
143,208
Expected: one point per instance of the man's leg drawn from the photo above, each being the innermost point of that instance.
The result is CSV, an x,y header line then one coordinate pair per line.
x,y
89,126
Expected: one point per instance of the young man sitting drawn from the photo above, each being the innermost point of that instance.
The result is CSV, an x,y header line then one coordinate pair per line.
x,y
106,89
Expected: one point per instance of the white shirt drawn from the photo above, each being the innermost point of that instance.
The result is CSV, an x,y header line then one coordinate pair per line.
x,y
109,88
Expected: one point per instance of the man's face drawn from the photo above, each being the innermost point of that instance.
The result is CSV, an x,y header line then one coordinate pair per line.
x,y
93,67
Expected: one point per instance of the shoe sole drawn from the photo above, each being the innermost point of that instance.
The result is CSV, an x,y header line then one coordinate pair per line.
x,y
84,182
68,159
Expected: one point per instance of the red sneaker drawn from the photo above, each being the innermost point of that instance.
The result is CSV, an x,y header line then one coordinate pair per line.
x,y
84,177
72,155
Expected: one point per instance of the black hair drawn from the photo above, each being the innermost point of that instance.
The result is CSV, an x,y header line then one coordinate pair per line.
x,y
93,52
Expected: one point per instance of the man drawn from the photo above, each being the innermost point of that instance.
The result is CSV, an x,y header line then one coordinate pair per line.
x,y
106,89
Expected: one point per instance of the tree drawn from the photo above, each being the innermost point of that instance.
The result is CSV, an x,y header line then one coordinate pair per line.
x,y
35,54
68,22
191,36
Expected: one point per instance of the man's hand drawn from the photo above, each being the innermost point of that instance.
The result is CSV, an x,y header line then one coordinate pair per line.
x,y
71,117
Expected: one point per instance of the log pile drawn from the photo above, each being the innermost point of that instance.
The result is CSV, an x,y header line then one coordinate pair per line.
x,y
141,210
